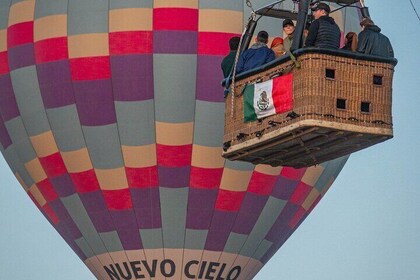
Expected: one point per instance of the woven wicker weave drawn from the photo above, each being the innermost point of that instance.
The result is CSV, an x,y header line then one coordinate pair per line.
x,y
320,130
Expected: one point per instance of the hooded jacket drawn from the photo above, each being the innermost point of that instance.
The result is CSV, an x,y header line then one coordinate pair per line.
x,y
372,41
258,54
324,33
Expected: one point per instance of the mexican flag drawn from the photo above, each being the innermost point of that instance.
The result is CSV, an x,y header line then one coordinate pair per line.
x,y
268,98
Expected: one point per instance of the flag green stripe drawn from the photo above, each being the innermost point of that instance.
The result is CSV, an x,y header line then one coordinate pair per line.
x,y
249,112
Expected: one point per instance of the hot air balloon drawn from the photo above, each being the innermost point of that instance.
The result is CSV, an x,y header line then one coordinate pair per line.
x,y
112,119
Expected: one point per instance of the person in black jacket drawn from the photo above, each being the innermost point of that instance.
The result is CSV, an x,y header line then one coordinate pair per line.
x,y
323,32
372,41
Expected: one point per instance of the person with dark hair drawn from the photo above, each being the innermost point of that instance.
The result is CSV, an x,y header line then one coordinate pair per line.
x,y
258,54
372,41
323,32
289,30
229,60
350,42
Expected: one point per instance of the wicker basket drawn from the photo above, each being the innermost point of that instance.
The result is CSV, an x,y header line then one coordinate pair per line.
x,y
340,105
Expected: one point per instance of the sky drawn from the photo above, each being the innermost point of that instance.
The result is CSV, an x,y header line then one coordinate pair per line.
x,y
366,227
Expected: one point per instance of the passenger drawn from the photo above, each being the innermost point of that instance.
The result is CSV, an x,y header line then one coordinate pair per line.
x,y
306,30
323,32
289,30
350,42
258,54
229,60
372,41
277,46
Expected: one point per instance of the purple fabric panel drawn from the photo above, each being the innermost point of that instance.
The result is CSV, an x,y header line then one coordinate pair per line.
x,y
200,208
102,221
221,226
175,42
174,177
95,102
209,77
63,185
284,188
93,201
132,77
21,56
127,230
250,211
281,226
145,198
55,83
8,105
64,217
4,135
146,204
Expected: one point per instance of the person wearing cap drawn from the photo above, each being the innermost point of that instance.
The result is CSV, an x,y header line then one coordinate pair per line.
x,y
258,54
277,46
372,41
229,60
323,32
289,30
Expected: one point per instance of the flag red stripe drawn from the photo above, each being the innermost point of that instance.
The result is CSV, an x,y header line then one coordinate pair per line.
x,y
283,93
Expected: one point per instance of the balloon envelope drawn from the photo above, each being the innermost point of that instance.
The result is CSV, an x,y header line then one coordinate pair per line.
x,y
111,118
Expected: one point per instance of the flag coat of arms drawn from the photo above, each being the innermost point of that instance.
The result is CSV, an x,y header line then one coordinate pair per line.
x,y
268,98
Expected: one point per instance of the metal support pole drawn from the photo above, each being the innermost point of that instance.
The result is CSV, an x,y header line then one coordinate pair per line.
x,y
301,22
252,24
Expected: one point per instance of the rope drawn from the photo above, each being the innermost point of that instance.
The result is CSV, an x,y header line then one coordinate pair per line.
x,y
414,8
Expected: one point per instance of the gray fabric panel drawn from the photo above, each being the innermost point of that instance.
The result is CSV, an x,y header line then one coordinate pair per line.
x,y
209,123
65,125
4,13
118,4
20,139
195,239
239,165
235,243
262,249
332,168
104,146
112,241
268,216
174,204
29,100
84,246
87,16
45,8
136,122
16,165
151,238
237,5
78,213
175,98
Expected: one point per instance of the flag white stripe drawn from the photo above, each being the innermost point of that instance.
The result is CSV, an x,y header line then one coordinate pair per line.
x,y
263,103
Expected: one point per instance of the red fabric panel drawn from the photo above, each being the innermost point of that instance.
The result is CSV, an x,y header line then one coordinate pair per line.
x,y
292,173
261,183
20,33
283,93
131,42
301,192
142,177
175,19
49,212
47,190
51,50
53,165
229,200
85,181
294,221
174,156
214,43
90,68
4,63
118,199
205,178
